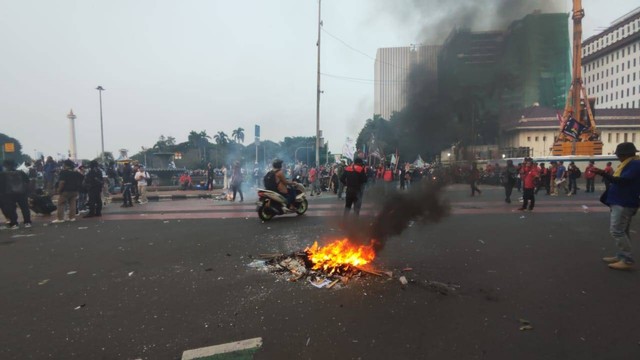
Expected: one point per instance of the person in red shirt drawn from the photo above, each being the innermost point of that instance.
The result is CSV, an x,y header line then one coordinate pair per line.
x,y
529,175
590,175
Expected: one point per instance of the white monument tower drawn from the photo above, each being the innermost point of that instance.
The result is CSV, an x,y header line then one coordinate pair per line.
x,y
73,155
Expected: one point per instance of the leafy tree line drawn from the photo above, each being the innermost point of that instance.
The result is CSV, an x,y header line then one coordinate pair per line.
x,y
221,149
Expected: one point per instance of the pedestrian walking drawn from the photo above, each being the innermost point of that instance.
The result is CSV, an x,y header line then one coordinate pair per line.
x,y
236,181
623,198
561,178
474,176
544,179
553,169
529,175
339,172
608,170
573,173
210,174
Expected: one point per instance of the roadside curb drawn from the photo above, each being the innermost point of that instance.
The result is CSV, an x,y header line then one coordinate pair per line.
x,y
168,197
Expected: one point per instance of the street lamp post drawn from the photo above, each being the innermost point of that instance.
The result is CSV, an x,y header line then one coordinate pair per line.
x,y
318,89
100,90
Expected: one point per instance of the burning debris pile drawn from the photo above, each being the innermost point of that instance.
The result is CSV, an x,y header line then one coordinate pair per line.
x,y
337,262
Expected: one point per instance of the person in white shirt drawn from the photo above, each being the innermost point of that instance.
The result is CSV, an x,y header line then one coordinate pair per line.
x,y
141,177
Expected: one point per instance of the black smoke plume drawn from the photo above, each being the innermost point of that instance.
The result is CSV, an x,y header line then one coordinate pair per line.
x,y
395,212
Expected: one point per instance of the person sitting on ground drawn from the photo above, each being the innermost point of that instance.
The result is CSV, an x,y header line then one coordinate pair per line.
x,y
185,181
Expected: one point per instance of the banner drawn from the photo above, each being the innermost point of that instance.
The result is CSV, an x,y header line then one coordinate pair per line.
x,y
573,128
349,148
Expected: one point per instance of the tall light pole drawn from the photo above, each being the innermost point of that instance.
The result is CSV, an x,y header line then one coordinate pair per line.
x,y
100,90
318,90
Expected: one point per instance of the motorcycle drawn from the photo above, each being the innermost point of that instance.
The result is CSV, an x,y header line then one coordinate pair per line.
x,y
271,203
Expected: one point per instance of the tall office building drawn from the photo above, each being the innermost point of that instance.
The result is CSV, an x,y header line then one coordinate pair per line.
x,y
611,64
392,67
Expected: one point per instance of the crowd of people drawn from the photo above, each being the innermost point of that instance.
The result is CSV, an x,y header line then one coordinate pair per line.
x,y
80,189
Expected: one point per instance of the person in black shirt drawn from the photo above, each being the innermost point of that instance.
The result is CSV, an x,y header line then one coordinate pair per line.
x,y
354,178
127,180
209,177
94,183
15,191
69,184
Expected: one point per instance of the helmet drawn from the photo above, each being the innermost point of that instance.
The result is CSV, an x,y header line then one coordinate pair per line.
x,y
277,164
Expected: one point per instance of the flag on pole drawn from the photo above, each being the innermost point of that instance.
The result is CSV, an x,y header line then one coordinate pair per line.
x,y
349,148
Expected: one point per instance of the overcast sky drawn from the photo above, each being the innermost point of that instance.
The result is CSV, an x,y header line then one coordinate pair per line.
x,y
169,67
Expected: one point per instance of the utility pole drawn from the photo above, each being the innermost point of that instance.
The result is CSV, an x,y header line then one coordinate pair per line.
x,y
318,90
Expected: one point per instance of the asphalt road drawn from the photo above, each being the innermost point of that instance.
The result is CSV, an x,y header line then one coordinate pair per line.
x,y
153,281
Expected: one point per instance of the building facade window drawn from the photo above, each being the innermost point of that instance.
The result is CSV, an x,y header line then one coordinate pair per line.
x,y
617,137
609,138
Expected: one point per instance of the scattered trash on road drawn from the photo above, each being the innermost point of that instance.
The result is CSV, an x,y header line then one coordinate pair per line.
x,y
403,280
43,282
585,208
165,222
320,283
525,325
22,235
79,306
131,273
481,241
71,272
83,228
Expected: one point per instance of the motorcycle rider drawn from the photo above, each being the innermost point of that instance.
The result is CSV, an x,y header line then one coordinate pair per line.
x,y
281,184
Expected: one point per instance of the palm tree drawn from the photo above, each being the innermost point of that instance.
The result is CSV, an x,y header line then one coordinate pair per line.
x,y
238,135
221,138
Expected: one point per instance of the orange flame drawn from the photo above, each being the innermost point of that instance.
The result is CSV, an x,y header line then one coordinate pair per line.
x,y
340,253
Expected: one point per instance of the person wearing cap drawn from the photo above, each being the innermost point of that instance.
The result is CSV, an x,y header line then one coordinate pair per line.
x,y
69,184
623,198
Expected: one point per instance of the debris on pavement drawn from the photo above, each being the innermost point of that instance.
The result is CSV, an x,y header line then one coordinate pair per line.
x,y
22,235
320,283
83,228
79,306
71,272
131,273
525,325
403,280
43,282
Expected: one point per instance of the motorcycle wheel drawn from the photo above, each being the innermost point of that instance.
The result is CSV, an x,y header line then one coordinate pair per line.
x,y
302,208
264,214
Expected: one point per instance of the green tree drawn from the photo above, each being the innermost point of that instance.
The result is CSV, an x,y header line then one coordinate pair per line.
x,y
221,138
238,135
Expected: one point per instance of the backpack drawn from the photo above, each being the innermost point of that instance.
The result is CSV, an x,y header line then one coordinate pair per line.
x,y
578,173
270,182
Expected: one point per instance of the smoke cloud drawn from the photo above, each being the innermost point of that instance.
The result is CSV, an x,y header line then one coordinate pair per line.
x,y
438,17
423,203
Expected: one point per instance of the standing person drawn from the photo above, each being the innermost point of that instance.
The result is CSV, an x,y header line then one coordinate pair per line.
x,y
529,175
544,179
590,176
509,180
141,178
339,172
69,183
573,173
474,176
49,173
81,206
127,180
518,179
225,183
313,181
94,183
552,177
354,178
623,198
15,192
236,181
134,184
210,174
561,178
608,170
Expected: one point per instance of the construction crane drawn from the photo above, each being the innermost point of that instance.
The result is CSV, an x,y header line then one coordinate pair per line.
x,y
578,134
